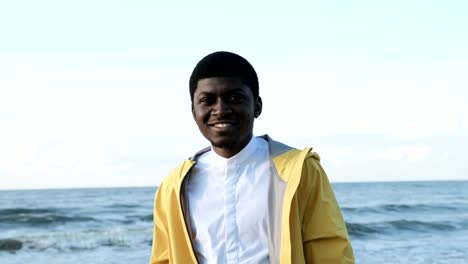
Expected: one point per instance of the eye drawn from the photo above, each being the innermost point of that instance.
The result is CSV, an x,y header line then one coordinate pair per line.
x,y
205,100
236,98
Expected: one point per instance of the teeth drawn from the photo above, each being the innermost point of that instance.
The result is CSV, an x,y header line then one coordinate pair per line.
x,y
222,125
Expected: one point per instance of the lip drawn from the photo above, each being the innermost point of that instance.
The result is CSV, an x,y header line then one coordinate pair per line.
x,y
224,121
222,125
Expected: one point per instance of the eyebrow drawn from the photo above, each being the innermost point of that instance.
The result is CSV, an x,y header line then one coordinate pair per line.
x,y
235,90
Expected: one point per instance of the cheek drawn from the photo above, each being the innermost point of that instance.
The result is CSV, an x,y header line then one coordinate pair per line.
x,y
199,115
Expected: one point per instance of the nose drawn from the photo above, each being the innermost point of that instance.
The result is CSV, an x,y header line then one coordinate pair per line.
x,y
221,108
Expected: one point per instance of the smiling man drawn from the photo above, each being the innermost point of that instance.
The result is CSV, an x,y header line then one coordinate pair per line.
x,y
244,199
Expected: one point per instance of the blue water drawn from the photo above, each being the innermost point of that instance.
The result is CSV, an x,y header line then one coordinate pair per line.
x,y
402,222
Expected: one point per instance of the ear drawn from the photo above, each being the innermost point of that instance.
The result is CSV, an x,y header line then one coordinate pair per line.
x,y
193,111
258,107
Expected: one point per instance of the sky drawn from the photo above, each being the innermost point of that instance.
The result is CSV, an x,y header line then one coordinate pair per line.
x,y
95,93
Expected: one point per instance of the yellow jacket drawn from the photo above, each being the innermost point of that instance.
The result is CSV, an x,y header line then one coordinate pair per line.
x,y
312,227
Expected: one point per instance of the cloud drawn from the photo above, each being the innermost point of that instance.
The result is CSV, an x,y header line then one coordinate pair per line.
x,y
411,153
122,167
414,129
19,150
336,154
449,122
366,122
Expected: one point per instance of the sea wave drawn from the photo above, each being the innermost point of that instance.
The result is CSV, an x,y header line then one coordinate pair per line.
x,y
390,227
69,241
40,216
122,206
144,218
402,208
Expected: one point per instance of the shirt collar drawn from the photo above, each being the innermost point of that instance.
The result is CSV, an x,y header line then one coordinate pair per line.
x,y
240,157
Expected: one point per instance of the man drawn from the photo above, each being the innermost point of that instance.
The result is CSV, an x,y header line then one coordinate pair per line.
x,y
245,199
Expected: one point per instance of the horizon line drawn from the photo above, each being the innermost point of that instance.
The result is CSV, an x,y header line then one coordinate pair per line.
x,y
157,186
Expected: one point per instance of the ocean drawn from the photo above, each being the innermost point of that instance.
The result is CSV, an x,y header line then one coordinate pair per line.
x,y
391,222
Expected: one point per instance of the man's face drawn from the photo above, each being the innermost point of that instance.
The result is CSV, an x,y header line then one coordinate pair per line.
x,y
224,110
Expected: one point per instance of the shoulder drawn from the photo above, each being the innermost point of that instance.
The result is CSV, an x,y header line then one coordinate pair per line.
x,y
173,180
175,176
313,175
312,162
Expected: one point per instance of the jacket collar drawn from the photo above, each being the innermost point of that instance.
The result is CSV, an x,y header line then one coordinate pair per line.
x,y
283,156
276,148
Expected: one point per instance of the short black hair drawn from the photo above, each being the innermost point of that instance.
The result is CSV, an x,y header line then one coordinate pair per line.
x,y
224,64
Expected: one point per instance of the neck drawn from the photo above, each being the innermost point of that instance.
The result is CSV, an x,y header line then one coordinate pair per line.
x,y
228,151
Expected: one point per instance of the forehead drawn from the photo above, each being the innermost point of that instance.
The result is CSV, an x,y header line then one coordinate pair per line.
x,y
219,85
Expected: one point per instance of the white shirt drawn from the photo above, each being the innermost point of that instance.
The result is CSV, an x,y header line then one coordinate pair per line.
x,y
228,202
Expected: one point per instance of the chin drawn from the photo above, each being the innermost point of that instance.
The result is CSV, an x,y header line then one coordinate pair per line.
x,y
224,144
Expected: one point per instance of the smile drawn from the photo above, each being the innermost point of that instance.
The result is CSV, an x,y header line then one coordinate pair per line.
x,y
223,125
